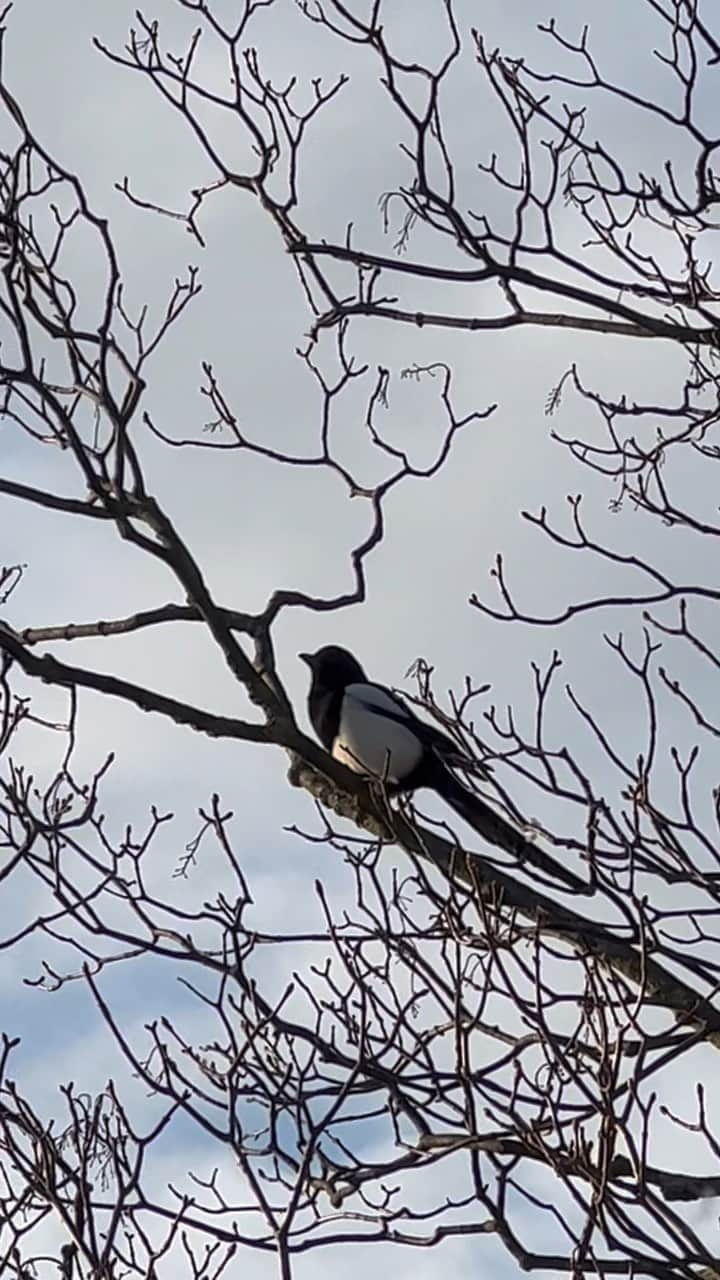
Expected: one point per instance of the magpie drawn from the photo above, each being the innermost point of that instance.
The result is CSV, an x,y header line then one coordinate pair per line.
x,y
371,731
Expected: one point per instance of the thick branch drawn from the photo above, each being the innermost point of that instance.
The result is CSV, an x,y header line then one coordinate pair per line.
x,y
583,935
52,671
637,323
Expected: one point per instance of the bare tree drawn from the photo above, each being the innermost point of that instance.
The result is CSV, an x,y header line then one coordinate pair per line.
x,y
475,1054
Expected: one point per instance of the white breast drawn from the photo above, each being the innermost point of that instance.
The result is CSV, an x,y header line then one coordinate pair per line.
x,y
369,743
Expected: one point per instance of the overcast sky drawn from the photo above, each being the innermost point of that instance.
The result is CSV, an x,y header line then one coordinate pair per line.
x,y
255,525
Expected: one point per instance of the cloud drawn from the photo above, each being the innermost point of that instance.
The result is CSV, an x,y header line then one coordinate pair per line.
x,y
255,525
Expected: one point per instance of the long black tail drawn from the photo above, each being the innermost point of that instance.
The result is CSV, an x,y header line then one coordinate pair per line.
x,y
498,831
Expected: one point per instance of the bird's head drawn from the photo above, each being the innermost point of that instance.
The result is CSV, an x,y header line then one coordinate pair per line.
x,y
333,667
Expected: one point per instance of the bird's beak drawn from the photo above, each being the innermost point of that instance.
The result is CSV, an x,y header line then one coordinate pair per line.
x,y
306,657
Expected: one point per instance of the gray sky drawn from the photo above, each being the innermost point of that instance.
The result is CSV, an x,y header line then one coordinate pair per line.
x,y
255,525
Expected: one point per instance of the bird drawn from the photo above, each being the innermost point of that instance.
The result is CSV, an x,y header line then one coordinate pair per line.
x,y
371,730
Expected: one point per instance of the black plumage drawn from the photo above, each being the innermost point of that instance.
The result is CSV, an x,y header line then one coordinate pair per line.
x,y
374,733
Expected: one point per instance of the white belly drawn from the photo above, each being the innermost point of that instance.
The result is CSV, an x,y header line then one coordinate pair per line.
x,y
369,743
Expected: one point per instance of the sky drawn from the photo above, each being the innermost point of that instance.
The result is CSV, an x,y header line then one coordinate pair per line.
x,y
255,525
